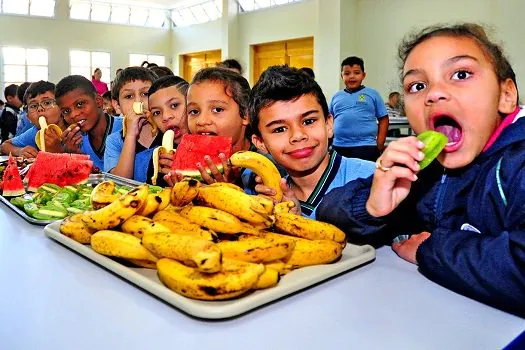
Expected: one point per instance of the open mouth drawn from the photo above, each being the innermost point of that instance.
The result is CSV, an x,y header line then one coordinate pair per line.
x,y
449,127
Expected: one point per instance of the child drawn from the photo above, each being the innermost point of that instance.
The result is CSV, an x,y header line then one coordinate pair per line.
x,y
393,106
167,104
89,127
128,155
40,101
465,213
108,104
231,64
9,117
23,123
290,120
357,110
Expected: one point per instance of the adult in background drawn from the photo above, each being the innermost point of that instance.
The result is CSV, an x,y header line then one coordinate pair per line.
x,y
99,85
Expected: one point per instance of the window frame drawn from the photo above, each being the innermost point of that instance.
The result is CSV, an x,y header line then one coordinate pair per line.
x,y
25,65
91,66
28,12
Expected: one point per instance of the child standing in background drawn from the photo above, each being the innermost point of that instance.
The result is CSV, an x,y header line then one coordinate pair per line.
x,y
23,123
357,111
465,212
9,116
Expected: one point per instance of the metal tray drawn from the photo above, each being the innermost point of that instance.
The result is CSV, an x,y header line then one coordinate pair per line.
x,y
93,179
352,257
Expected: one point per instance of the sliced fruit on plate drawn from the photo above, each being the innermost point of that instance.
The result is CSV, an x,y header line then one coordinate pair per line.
x,y
12,181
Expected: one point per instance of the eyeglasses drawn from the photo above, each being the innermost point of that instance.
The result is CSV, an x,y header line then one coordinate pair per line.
x,y
46,104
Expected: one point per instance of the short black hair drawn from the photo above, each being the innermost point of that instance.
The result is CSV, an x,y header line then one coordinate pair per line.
x,y
231,63
2,103
107,95
167,81
38,88
352,61
73,82
21,91
10,90
128,75
307,70
161,71
282,83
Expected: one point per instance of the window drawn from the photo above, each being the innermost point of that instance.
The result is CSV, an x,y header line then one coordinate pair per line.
x,y
205,12
45,8
85,62
22,65
116,13
136,59
251,5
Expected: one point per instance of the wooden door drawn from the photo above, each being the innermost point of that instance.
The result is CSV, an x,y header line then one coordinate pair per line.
x,y
300,53
193,62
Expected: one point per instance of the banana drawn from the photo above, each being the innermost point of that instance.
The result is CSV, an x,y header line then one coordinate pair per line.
x,y
226,184
179,224
199,253
164,195
268,279
138,108
236,278
317,252
138,225
257,249
283,207
120,245
74,228
183,192
151,205
40,139
214,219
144,263
118,211
303,227
102,194
266,202
237,203
167,146
262,166
279,266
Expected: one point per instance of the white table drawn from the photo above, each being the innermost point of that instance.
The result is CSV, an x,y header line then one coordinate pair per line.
x,y
52,298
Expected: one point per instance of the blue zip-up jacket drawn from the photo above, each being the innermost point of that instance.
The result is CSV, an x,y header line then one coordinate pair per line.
x,y
476,216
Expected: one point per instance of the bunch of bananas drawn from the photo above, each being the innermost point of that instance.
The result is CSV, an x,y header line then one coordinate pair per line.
x,y
207,242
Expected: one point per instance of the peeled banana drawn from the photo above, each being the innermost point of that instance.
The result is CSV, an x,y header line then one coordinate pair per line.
x,y
183,192
138,225
167,146
40,139
257,249
74,228
120,245
235,279
262,166
300,226
102,194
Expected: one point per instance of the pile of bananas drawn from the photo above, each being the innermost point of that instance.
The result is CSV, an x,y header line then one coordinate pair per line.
x,y
207,242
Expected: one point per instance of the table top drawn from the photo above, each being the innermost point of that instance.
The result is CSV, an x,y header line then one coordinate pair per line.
x,y
52,298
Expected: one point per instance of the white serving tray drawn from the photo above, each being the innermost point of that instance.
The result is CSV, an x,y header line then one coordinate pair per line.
x,y
352,257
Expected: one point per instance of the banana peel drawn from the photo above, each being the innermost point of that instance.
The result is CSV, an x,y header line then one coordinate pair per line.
x,y
40,139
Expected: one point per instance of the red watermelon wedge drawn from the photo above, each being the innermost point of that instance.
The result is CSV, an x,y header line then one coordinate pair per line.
x,y
192,150
12,181
59,168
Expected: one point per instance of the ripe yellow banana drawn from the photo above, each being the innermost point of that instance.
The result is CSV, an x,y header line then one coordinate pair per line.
x,y
40,139
279,266
317,252
226,184
235,279
214,219
283,207
257,249
120,245
204,255
167,146
183,192
268,279
151,205
300,226
237,203
144,263
138,225
74,228
262,166
118,211
179,224
102,194
164,195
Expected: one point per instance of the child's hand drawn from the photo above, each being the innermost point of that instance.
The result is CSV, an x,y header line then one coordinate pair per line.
x,y
407,249
172,178
288,194
216,176
53,141
165,162
71,139
396,170
134,124
28,152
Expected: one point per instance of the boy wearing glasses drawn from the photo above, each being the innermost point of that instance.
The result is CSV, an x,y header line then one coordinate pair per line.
x,y
40,100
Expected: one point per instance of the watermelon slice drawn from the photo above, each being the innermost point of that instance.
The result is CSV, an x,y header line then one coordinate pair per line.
x,y
61,169
12,181
192,150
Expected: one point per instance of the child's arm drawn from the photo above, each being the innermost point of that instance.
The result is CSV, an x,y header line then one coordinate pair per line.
x,y
382,131
26,151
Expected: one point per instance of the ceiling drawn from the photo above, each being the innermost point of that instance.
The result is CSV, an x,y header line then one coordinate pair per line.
x,y
157,3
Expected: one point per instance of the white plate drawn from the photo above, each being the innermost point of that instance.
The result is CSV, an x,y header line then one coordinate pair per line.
x,y
353,256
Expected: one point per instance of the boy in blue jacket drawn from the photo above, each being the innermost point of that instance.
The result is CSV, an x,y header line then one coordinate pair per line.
x,y
466,212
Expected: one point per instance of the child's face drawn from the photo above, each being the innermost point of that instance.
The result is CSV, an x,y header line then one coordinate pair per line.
x,y
133,91
211,111
43,105
14,100
451,87
352,76
79,106
295,133
168,109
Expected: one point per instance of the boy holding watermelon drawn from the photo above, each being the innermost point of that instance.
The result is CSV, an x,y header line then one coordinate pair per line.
x,y
89,126
290,120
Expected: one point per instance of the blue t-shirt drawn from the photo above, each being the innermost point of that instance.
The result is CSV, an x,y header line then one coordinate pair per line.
x,y
339,172
27,138
114,124
114,145
355,117
23,123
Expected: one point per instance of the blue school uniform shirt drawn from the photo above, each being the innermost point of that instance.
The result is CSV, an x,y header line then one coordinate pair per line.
x,y
27,138
356,114
339,172
114,124
114,145
23,123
